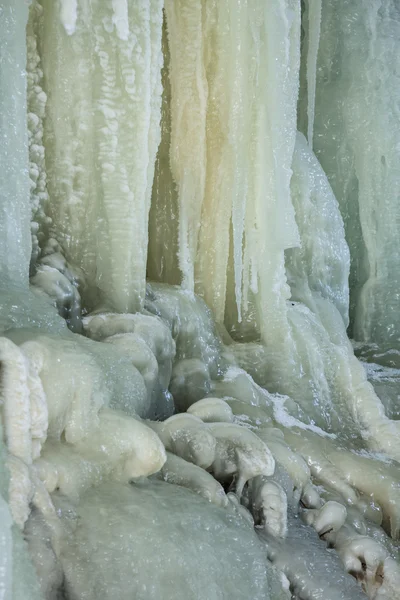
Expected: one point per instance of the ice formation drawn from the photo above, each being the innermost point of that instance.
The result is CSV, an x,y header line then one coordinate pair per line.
x,y
197,205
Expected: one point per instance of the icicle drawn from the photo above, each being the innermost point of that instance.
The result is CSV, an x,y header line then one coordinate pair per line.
x,y
314,30
188,116
270,223
156,26
214,237
230,81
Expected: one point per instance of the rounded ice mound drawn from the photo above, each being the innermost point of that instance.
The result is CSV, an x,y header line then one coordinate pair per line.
x,y
157,541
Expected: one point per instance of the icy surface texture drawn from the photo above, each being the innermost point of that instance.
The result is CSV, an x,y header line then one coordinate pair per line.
x,y
356,138
6,554
145,542
232,252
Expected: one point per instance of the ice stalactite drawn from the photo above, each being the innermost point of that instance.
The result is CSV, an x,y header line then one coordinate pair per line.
x,y
312,18
101,123
319,370
189,92
356,140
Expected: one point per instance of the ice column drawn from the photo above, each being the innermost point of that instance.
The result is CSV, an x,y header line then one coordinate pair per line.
x,y
188,118
102,71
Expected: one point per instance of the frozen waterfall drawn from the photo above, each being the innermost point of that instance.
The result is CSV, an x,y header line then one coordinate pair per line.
x,y
199,300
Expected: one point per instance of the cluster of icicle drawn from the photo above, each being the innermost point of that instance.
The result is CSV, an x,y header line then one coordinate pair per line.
x,y
162,140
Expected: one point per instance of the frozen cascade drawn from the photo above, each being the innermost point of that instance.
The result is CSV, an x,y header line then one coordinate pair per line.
x,y
208,433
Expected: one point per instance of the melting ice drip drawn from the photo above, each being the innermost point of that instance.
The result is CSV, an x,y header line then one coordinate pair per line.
x,y
209,434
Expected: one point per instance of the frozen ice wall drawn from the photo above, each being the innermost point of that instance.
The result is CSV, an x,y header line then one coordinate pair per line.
x,y
356,138
15,251
101,66
15,240
149,139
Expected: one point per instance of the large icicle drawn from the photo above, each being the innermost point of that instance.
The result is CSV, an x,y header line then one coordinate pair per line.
x,y
188,117
102,68
249,130
213,249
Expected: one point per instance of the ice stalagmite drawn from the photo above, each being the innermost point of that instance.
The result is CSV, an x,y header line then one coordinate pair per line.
x,y
102,73
357,141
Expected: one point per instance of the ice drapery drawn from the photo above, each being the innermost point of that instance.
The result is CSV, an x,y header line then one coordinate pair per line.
x,y
158,139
